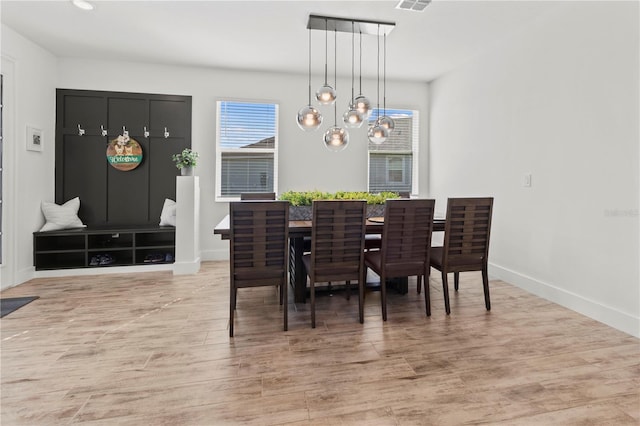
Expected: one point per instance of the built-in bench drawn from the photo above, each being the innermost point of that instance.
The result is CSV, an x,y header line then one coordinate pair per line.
x,y
97,247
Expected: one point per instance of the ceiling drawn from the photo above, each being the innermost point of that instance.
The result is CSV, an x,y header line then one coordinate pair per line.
x,y
270,35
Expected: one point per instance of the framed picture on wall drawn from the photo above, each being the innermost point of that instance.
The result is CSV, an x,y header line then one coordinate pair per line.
x,y
34,139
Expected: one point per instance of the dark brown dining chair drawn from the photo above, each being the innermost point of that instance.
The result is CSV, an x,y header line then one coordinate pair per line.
x,y
258,237
406,241
257,196
337,247
466,243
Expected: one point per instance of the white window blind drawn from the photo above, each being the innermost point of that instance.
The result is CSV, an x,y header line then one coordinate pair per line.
x,y
391,163
246,148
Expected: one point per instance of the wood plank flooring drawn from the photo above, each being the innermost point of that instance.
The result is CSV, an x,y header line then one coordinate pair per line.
x,y
153,349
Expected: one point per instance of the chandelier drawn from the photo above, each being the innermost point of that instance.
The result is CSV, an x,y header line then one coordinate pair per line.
x,y
358,108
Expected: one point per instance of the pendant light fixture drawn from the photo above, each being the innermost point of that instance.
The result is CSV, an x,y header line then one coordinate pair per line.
x,y
326,94
377,133
362,103
336,138
309,118
360,109
385,121
352,117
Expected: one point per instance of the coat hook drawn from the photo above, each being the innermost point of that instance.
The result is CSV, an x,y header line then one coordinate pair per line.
x,y
103,131
146,132
80,130
166,133
125,132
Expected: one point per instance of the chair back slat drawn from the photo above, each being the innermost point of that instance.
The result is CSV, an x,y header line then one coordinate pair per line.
x,y
257,196
467,230
337,239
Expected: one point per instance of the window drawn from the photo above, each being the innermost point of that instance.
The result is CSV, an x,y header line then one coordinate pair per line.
x,y
246,149
393,163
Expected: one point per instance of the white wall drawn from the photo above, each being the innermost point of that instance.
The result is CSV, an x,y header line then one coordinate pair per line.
x,y
30,86
303,162
559,101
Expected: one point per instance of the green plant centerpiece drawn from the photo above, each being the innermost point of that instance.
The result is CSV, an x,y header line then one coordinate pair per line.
x,y
301,201
186,161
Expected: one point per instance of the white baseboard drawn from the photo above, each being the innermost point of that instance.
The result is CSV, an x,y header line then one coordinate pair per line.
x,y
215,254
592,309
186,268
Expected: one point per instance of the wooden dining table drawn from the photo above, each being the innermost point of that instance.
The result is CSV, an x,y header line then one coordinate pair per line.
x,y
298,229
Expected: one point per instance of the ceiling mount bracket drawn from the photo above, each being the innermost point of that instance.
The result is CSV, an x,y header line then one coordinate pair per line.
x,y
349,25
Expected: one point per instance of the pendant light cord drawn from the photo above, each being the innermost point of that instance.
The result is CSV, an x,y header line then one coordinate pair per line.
x,y
360,62
384,77
325,51
335,74
353,36
309,66
378,69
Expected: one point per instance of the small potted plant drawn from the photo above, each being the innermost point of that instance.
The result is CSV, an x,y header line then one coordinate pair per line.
x,y
186,161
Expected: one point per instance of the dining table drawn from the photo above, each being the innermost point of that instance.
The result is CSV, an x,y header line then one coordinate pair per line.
x,y
298,230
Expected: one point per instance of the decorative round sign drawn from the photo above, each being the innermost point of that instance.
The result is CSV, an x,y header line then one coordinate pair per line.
x,y
124,153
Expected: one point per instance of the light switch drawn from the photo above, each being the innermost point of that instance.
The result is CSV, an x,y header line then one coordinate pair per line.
x,y
526,181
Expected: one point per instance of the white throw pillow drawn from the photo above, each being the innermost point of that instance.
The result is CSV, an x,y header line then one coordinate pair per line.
x,y
61,217
168,215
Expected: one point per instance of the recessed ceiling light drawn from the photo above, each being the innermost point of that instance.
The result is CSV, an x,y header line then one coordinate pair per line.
x,y
417,5
83,4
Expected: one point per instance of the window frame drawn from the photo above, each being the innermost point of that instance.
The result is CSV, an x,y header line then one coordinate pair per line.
x,y
220,151
415,143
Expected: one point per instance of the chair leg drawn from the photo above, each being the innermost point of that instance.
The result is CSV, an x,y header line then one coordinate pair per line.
x,y
312,292
419,286
279,290
285,307
383,297
348,290
485,284
445,290
232,307
235,297
456,280
361,283
427,296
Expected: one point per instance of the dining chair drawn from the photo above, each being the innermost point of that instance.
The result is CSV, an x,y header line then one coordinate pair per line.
x,y
466,243
257,196
406,241
259,249
337,247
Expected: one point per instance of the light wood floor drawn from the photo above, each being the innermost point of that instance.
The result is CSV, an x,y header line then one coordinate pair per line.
x,y
153,349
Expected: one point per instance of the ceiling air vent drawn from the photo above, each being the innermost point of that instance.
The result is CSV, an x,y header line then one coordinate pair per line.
x,y
417,5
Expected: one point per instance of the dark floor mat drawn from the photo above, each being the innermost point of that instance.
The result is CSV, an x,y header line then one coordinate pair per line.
x,y
10,304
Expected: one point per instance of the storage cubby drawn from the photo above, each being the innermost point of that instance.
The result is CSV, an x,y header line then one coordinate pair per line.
x,y
112,240
103,247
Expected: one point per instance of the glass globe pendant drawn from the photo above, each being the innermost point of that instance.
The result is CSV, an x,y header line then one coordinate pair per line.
x,y
361,103
377,134
336,139
309,118
363,106
387,122
352,118
326,94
